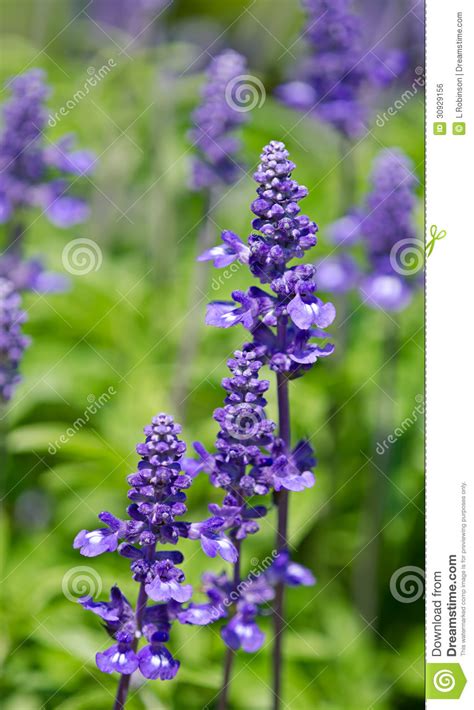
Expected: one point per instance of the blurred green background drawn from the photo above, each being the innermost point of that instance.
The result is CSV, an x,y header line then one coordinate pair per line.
x,y
351,643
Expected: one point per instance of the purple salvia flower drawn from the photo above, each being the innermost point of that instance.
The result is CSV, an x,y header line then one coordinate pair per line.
x,y
338,70
33,171
157,501
388,222
215,122
12,340
241,464
284,324
283,235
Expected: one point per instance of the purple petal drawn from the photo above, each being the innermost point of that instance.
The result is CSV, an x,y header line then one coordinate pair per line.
x,y
323,313
95,542
117,658
219,255
241,634
219,545
201,614
67,211
103,609
301,313
5,209
156,662
161,591
222,314
297,94
110,520
386,291
298,576
345,230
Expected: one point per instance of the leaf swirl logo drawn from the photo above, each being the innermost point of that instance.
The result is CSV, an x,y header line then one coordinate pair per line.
x,y
243,421
80,582
444,680
81,256
244,93
407,584
407,256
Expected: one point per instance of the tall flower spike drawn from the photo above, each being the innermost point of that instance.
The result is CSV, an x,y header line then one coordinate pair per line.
x,y
283,324
241,464
12,340
339,68
215,122
283,235
157,501
388,232
35,173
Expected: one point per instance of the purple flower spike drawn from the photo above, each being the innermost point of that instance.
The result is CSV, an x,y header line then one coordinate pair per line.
x,y
157,500
215,122
334,77
12,341
29,165
386,228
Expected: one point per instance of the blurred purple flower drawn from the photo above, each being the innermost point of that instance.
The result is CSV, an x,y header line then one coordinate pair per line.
x,y
334,77
215,121
12,341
